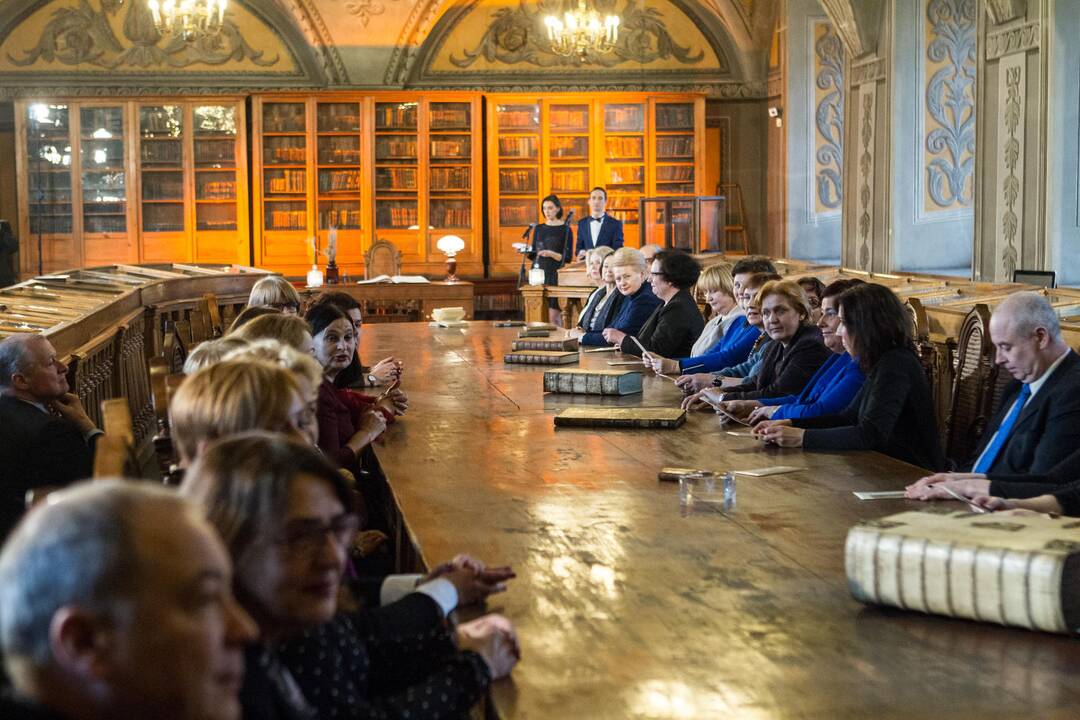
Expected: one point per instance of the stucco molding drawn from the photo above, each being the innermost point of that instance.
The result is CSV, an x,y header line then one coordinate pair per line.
x,y
1022,38
866,70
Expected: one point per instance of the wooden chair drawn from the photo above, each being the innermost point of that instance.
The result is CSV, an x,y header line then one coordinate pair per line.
x,y
976,387
174,351
382,258
212,313
163,385
114,455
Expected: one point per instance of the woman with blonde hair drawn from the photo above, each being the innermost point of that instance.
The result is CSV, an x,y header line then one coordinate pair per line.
x,y
602,304
305,370
233,396
288,329
276,292
209,352
630,275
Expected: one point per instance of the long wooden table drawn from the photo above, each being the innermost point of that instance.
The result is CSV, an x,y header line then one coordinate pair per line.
x,y
628,609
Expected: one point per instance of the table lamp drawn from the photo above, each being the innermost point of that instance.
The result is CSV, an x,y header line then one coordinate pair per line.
x,y
451,245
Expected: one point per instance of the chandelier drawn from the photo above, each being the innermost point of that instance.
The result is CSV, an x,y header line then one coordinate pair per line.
x,y
188,19
581,31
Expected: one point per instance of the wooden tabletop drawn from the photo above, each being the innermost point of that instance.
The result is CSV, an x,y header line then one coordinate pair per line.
x,y
626,608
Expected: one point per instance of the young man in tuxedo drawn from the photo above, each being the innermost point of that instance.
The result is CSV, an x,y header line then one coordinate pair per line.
x,y
46,437
598,228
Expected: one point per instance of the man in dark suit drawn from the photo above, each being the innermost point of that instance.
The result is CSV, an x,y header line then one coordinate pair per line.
x,y
1038,423
46,437
598,228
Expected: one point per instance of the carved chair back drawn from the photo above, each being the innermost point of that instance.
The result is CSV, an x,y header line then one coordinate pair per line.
x,y
974,386
382,258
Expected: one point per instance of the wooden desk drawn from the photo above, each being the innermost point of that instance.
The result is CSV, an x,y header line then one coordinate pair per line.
x,y
626,609
415,300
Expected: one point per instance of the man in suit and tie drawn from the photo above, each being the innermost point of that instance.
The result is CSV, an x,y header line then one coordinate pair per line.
x,y
598,228
1038,423
46,437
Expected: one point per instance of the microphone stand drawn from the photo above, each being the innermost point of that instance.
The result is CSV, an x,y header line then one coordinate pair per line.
x,y
39,207
524,254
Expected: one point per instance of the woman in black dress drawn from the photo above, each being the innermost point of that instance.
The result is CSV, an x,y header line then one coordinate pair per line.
x,y
552,247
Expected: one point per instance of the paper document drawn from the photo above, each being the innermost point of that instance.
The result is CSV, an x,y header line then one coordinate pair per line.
x,y
774,470
880,495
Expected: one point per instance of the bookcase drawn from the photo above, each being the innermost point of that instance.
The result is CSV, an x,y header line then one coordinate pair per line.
x,y
633,144
121,181
403,167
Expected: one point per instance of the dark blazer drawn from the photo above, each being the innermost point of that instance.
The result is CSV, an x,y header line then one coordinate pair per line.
x,y
15,708
635,310
671,330
785,371
266,692
9,245
1048,428
611,310
893,414
611,234
395,661
36,449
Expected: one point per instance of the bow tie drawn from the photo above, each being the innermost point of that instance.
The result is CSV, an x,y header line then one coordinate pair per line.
x,y
597,219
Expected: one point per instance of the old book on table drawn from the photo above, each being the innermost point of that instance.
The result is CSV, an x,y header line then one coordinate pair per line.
x,y
534,333
592,382
565,344
1005,569
540,357
621,417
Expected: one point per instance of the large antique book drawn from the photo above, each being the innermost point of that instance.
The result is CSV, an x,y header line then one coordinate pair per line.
x,y
1006,569
540,357
640,417
534,333
592,382
542,344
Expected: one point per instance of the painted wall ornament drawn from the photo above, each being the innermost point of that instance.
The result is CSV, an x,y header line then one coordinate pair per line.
x,y
518,35
950,101
829,118
84,35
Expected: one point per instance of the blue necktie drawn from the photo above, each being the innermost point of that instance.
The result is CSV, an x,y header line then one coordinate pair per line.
x,y
991,453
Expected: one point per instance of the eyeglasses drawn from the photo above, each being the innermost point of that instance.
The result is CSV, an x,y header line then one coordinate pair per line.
x,y
285,307
305,537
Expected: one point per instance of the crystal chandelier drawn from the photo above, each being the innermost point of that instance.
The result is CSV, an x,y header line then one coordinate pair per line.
x,y
581,31
188,19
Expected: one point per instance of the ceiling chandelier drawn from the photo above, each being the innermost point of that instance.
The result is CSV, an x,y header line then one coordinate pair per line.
x,y
581,31
188,19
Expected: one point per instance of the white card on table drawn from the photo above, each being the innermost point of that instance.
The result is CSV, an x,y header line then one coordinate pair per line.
x,y
774,470
880,495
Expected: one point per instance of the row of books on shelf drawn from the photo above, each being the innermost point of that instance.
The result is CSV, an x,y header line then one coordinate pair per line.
x,y
516,214
217,190
161,121
674,117
339,180
624,148
283,117
624,118
163,187
396,216
449,148
520,117
50,224
286,220
626,174
395,178
386,149
449,118
675,147
344,219
163,153
568,146
518,146
517,180
339,156
339,118
208,152
395,115
110,119
451,217
288,154
570,180
667,173
97,224
456,178
575,119
290,181
628,217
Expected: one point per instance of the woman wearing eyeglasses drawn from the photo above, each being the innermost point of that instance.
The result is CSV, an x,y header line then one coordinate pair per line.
x,y
276,292
283,513
674,326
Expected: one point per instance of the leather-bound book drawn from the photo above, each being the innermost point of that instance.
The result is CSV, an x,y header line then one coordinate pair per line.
x,y
540,357
565,344
1000,568
593,382
534,333
642,417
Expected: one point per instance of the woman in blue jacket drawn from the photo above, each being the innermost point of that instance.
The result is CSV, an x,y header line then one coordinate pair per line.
x,y
639,302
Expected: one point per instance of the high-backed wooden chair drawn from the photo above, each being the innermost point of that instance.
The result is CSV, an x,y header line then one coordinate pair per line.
x,y
94,373
212,313
934,362
974,387
174,350
114,455
382,258
163,385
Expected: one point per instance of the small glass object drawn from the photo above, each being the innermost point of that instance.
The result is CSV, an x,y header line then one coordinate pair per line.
x,y
706,491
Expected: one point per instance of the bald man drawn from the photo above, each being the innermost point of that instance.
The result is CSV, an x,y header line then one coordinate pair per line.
x,y
46,437
1038,423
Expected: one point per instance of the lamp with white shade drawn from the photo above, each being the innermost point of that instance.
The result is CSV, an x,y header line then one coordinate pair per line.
x,y
450,245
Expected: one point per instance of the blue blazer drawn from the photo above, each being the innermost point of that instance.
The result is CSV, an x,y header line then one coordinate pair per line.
x,y
611,234
635,310
733,348
830,390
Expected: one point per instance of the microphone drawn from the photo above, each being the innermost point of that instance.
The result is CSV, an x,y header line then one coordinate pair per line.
x,y
528,230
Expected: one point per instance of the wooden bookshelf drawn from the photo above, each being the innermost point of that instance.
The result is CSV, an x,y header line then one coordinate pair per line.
x,y
402,167
633,144
118,181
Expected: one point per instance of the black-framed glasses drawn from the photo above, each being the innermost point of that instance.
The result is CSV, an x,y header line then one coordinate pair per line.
x,y
306,536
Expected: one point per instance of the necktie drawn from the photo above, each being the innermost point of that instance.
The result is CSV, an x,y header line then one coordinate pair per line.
x,y
597,219
991,453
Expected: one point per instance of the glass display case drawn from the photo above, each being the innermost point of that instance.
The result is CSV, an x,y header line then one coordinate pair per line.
x,y
103,172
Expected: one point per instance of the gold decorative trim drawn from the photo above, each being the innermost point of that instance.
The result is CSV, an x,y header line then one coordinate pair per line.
x,y
1018,39
314,28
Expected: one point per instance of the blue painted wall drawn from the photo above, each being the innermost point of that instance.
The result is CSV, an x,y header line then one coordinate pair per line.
x,y
1063,143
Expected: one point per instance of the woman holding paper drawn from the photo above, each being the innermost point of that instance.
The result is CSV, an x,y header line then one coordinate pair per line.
x,y
893,413
552,247
629,272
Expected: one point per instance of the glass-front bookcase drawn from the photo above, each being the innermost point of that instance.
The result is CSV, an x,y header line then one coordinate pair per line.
x,y
633,145
121,181
400,167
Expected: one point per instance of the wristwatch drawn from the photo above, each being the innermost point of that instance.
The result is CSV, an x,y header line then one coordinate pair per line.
x,y
718,381
372,380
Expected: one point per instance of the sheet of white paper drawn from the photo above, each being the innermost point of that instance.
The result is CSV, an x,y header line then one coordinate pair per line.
x,y
880,495
773,470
